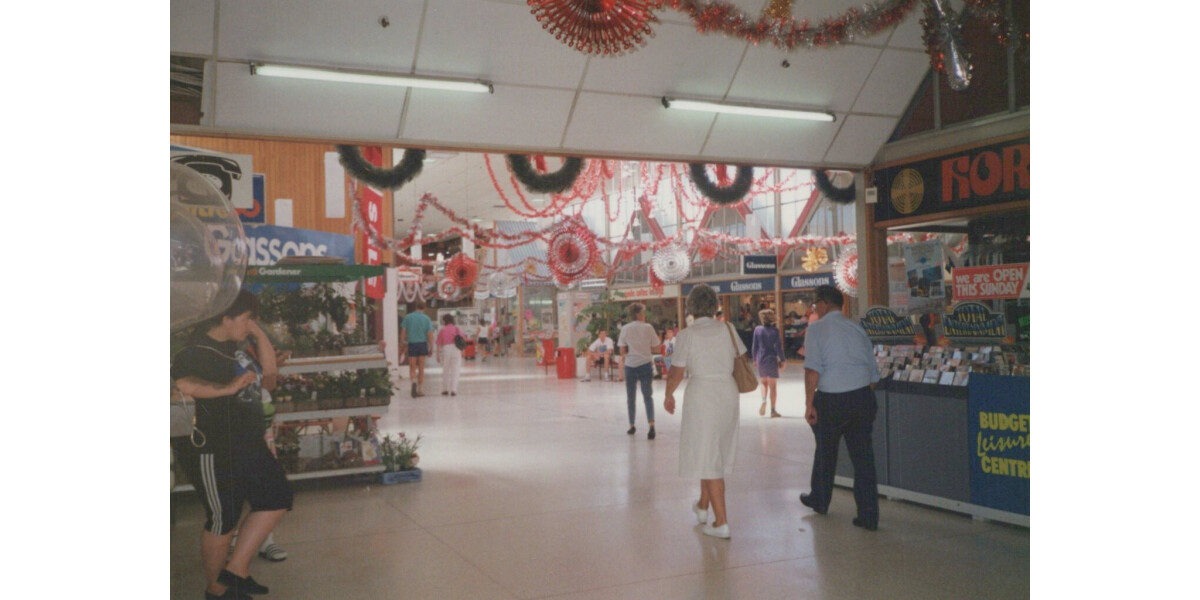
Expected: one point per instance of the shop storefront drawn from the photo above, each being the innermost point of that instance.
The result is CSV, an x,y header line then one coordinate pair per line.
x,y
949,312
663,305
741,299
797,295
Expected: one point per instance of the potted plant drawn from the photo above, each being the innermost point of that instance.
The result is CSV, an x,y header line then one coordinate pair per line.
x,y
400,458
603,314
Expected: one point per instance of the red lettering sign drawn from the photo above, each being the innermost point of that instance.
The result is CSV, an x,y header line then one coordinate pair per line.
x,y
985,173
991,282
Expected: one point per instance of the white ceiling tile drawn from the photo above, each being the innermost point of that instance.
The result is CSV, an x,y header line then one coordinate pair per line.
x,y
502,43
677,61
192,23
323,32
634,124
516,117
769,141
908,33
859,140
297,107
821,78
890,87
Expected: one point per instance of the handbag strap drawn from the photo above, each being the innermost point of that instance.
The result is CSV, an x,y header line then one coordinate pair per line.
x,y
731,340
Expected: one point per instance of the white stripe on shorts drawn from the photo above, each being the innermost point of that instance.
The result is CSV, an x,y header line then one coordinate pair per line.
x,y
209,476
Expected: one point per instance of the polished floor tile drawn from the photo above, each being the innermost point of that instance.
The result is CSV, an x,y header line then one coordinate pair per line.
x,y
532,489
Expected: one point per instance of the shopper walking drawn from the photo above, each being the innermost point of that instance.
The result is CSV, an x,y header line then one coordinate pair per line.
x,y
637,342
482,345
709,427
448,354
839,380
417,331
227,458
767,352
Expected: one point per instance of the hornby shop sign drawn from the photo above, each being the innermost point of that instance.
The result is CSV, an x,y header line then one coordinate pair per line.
x,y
976,177
646,293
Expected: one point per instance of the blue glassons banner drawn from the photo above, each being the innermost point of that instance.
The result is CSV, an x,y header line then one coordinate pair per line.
x,y
269,243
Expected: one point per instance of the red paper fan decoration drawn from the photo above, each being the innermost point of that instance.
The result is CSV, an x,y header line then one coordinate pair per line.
x,y
462,270
572,252
707,251
598,27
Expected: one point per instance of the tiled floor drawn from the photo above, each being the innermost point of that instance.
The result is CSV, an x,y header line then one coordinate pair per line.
x,y
532,489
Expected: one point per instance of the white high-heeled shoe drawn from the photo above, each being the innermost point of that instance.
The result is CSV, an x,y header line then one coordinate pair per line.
x,y
701,513
717,532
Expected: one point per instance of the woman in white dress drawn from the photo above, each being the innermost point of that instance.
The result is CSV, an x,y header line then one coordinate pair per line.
x,y
709,428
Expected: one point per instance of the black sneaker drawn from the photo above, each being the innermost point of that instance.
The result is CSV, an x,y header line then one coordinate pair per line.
x,y
242,585
650,435
632,430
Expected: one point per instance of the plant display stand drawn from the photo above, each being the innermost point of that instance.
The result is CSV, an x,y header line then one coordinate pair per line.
x,y
394,477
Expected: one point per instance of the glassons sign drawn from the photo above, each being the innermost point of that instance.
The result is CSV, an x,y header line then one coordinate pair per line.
x,y
975,177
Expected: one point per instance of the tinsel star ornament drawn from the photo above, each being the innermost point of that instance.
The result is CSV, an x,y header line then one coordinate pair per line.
x,y
598,27
814,258
845,270
671,264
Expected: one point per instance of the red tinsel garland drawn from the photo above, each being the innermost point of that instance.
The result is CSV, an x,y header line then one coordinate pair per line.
x,y
790,34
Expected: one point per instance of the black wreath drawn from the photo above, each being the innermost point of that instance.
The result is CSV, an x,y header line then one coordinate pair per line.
x,y
358,167
840,195
722,195
548,183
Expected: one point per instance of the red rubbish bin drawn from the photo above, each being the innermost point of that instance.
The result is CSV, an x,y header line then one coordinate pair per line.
x,y
566,363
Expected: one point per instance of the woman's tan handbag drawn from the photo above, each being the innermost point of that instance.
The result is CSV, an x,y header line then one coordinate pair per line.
x,y
742,373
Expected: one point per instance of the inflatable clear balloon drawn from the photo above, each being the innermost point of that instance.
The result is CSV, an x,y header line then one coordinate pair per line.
x,y
208,249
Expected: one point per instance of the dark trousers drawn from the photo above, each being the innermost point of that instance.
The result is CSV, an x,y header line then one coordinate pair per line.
x,y
851,414
644,375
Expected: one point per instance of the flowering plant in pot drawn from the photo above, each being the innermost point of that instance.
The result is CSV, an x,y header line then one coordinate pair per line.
x,y
400,458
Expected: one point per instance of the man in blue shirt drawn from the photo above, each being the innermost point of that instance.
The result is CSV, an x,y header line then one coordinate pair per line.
x,y
839,381
417,331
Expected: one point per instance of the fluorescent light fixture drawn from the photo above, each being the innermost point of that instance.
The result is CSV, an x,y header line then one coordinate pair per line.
x,y
343,76
743,109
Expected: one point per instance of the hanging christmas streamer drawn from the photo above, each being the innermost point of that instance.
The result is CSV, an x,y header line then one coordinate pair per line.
x,y
845,270
572,252
943,43
462,270
785,33
835,194
671,264
598,27
390,179
726,195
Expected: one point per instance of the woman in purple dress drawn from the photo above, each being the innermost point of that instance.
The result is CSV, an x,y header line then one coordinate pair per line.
x,y
768,358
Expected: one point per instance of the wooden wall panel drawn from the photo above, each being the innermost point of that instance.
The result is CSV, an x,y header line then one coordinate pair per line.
x,y
294,170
